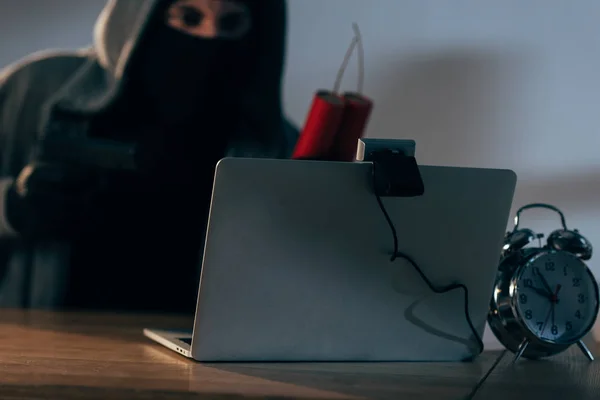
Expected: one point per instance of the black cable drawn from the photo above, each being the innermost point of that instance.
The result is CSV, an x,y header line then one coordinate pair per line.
x,y
398,254
479,385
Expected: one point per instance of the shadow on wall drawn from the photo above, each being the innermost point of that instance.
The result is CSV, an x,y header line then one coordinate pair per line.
x,y
576,193
467,107
457,105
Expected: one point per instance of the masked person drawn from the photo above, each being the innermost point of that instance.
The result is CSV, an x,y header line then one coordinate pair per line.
x,y
188,82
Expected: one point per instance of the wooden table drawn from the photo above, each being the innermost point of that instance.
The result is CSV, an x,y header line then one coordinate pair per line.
x,y
67,355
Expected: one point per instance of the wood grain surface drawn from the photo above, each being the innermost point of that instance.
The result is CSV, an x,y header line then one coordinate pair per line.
x,y
567,376
46,355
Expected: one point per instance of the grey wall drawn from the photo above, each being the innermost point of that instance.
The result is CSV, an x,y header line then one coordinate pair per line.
x,y
511,84
31,25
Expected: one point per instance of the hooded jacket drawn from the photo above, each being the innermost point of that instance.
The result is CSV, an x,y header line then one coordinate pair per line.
x,y
35,90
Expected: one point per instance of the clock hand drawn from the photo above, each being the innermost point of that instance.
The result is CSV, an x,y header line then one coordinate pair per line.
x,y
553,301
554,297
545,283
540,291
558,287
547,319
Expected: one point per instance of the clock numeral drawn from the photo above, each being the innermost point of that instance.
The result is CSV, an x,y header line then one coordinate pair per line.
x,y
528,314
523,298
550,266
578,314
576,282
580,298
528,283
565,270
540,325
554,330
568,326
536,271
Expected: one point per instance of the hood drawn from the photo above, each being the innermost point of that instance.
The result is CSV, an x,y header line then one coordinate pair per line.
x,y
119,31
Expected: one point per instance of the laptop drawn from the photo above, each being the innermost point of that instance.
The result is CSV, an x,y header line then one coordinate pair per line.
x,y
297,267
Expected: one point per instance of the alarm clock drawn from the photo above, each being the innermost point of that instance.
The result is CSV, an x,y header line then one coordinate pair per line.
x,y
545,298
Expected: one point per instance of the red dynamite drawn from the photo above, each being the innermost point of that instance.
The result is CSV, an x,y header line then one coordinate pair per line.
x,y
335,122
357,110
322,124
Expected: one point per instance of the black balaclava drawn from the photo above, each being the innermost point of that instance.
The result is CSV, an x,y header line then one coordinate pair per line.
x,y
185,78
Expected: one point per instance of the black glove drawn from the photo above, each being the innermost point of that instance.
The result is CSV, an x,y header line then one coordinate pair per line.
x,y
51,200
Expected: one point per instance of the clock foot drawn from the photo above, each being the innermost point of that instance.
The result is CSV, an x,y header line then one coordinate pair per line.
x,y
585,350
521,350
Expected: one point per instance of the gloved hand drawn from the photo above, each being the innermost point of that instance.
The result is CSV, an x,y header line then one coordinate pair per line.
x,y
51,200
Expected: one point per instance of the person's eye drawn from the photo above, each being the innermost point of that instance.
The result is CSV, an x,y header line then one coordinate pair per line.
x,y
191,17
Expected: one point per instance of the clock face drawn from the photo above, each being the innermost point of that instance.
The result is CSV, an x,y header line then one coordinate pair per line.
x,y
556,297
